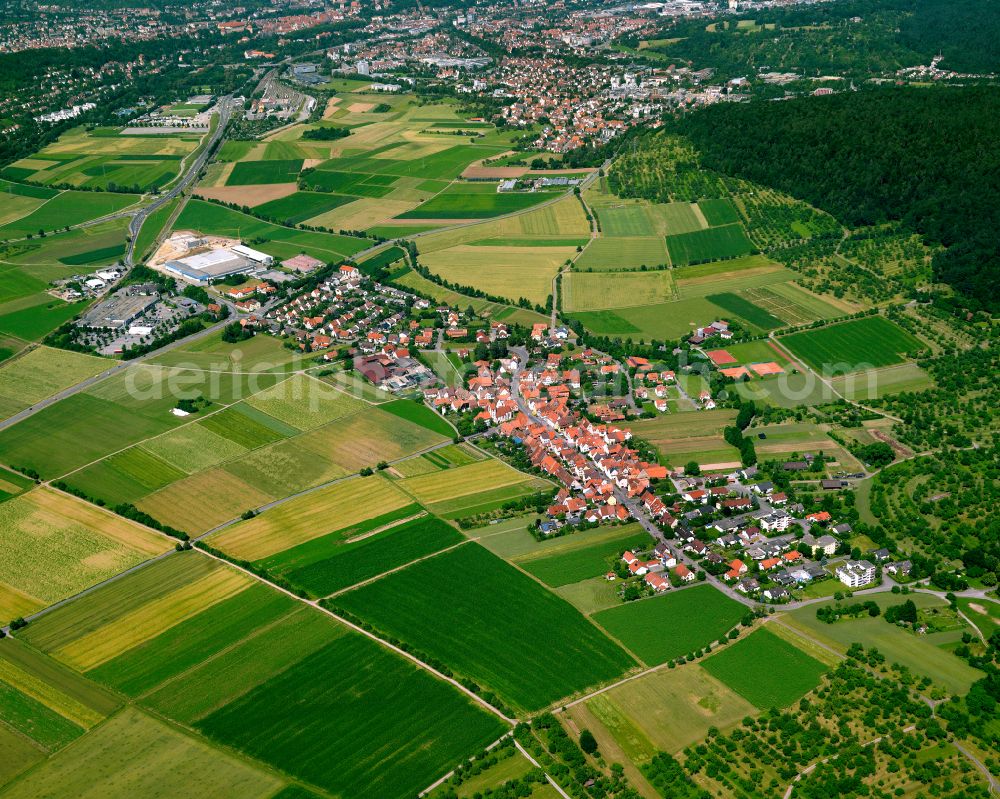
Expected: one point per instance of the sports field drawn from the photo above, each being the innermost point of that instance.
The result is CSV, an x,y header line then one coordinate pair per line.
x,y
57,545
849,346
765,670
483,618
676,623
712,244
591,291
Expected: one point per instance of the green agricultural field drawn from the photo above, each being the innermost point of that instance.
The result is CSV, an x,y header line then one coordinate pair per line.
x,y
592,291
673,708
623,253
420,414
915,652
103,159
110,416
204,634
877,383
311,516
300,206
766,670
332,563
282,242
677,623
304,402
126,476
192,448
849,346
482,617
253,173
58,545
791,303
136,755
67,208
37,321
464,202
713,244
42,372
152,228
719,212
752,314
246,427
413,727
595,560
464,481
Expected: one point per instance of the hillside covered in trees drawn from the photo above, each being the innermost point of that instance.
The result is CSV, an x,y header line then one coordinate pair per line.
x,y
852,37
928,158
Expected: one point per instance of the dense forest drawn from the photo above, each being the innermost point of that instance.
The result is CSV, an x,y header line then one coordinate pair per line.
x,y
926,157
854,37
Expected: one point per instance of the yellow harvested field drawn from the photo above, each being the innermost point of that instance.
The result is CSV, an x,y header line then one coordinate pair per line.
x,y
360,108
14,603
43,371
591,291
215,175
50,696
472,479
331,107
361,214
56,507
55,545
563,218
310,516
152,619
202,501
247,195
511,272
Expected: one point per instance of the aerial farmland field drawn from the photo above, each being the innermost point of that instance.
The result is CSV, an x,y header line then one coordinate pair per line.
x,y
677,623
509,272
562,568
860,343
58,545
624,253
67,208
765,670
42,372
712,244
470,609
311,516
590,291
332,563
203,664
